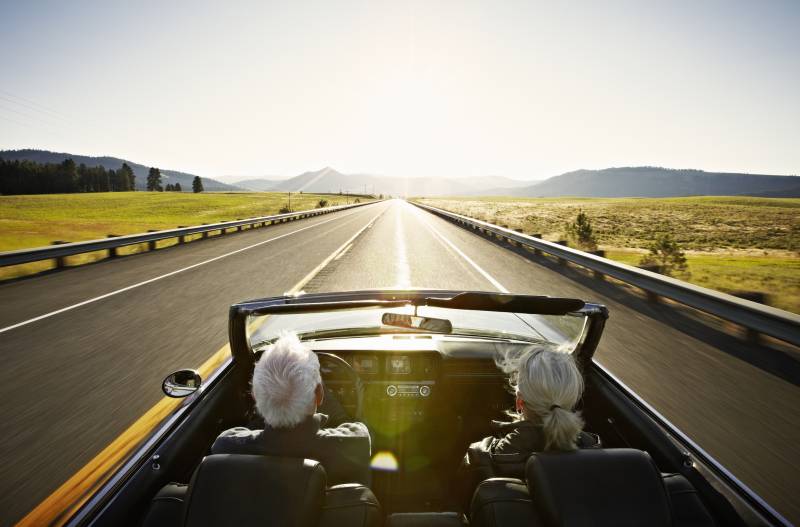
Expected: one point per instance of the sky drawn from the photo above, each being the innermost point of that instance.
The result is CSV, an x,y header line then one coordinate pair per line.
x,y
415,88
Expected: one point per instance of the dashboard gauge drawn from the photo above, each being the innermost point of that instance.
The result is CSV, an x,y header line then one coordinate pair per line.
x,y
399,365
365,364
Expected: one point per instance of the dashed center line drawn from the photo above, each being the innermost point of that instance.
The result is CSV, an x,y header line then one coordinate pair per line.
x,y
442,239
166,275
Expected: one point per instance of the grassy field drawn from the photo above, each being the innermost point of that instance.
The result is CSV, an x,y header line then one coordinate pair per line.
x,y
732,243
38,220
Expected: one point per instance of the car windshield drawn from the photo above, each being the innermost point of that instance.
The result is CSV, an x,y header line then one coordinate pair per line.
x,y
564,331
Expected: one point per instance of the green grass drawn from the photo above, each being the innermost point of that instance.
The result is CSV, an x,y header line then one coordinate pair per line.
x,y
732,243
38,220
777,277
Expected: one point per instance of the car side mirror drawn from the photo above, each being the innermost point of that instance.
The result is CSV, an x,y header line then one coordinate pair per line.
x,y
181,383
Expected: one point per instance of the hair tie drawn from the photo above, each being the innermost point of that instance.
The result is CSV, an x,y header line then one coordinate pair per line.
x,y
554,407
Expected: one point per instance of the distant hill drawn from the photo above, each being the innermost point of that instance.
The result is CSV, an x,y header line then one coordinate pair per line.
x,y
655,182
258,184
333,181
114,163
792,192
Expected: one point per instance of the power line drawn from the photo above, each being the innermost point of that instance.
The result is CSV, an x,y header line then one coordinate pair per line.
x,y
36,118
34,105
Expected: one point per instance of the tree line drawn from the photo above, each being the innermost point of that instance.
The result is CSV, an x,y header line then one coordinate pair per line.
x,y
154,183
29,177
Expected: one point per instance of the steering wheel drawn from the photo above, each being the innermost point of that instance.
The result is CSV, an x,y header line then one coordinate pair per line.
x,y
340,378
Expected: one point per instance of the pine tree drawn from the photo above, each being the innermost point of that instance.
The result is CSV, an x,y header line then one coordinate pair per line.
x,y
197,185
127,174
581,232
668,255
154,180
177,187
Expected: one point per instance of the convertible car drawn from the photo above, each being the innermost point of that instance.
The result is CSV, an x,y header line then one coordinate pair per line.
x,y
419,368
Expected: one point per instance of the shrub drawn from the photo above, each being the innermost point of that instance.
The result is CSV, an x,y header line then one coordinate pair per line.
x,y
285,210
668,255
581,234
322,203
357,201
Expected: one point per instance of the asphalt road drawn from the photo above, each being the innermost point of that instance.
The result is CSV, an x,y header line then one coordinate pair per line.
x,y
73,380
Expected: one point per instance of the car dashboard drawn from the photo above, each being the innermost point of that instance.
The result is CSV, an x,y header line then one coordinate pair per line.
x,y
425,398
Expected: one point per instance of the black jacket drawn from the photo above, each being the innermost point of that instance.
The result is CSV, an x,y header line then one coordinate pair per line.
x,y
504,454
344,451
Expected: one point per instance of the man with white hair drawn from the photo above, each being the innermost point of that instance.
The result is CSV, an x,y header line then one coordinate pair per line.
x,y
288,390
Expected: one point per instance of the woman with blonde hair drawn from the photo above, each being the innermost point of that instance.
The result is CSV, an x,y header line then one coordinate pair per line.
x,y
548,385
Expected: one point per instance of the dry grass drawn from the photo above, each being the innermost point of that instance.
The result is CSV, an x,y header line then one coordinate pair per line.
x,y
733,243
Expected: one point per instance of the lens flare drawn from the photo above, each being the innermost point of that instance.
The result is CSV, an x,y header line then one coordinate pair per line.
x,y
384,460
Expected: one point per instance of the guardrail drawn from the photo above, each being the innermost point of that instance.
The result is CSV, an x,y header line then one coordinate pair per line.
x,y
755,317
60,250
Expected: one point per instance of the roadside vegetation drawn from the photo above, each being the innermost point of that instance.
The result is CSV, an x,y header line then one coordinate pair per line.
x,y
731,244
37,220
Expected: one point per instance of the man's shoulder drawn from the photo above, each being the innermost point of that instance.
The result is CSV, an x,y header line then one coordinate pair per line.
x,y
345,430
234,439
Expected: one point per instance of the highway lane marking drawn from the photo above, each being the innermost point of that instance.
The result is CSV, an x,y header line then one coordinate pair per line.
x,y
167,275
403,269
57,508
338,252
458,251
344,251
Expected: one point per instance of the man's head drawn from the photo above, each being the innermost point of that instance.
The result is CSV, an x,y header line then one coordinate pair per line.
x,y
287,386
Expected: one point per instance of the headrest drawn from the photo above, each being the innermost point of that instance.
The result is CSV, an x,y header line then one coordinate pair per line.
x,y
242,490
597,487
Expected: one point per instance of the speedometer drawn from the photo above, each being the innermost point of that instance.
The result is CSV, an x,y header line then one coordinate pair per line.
x,y
399,365
365,364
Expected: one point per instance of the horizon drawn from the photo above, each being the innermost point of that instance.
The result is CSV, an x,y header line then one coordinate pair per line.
x,y
234,179
521,91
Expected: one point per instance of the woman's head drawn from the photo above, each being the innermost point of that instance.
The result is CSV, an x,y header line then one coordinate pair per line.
x,y
548,386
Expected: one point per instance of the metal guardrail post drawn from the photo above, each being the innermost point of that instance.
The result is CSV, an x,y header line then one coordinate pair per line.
x,y
61,261
595,273
536,250
562,261
114,251
151,245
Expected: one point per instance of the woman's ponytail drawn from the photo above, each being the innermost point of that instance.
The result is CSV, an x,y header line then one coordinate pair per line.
x,y
561,428
550,385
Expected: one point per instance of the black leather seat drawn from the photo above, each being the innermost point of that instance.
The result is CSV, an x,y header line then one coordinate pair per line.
x,y
614,487
246,490
503,502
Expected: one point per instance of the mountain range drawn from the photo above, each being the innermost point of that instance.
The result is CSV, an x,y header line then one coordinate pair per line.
x,y
610,182
657,182
114,163
331,181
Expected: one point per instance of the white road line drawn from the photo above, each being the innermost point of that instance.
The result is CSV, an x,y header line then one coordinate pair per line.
x,y
343,252
403,269
458,251
167,275
338,252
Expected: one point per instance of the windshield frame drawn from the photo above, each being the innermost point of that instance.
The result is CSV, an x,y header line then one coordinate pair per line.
x,y
242,351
